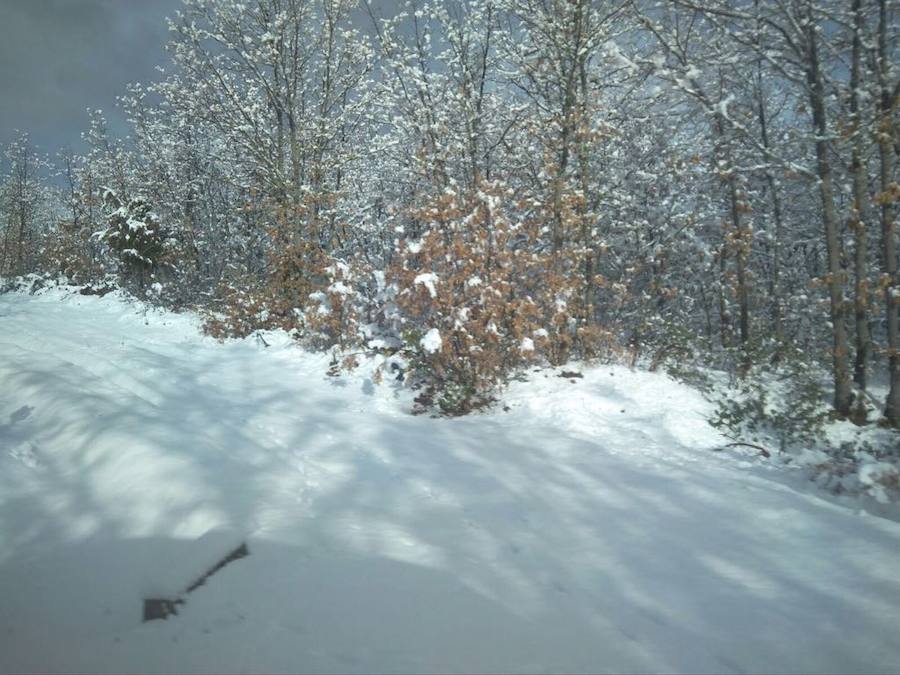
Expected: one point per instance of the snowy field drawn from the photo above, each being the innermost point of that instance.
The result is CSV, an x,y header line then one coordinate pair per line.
x,y
588,528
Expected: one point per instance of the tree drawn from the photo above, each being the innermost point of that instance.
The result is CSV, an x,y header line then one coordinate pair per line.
x,y
889,96
24,204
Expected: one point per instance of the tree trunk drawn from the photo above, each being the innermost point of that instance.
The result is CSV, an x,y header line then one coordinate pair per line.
x,y
724,314
858,211
775,287
22,188
743,244
739,241
843,396
775,281
888,245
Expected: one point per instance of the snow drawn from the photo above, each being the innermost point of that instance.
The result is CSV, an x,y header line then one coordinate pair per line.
x,y
340,288
590,528
722,106
431,341
428,279
873,474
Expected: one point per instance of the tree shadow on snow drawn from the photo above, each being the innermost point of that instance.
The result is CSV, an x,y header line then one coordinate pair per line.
x,y
401,544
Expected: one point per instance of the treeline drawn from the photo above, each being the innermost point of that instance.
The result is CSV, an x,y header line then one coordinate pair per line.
x,y
479,185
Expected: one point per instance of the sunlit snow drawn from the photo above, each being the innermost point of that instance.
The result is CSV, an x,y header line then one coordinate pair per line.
x,y
589,528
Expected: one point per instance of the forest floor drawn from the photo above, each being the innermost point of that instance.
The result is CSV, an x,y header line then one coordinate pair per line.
x,y
588,527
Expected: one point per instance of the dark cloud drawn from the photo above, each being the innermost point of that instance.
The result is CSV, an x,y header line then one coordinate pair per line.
x,y
60,57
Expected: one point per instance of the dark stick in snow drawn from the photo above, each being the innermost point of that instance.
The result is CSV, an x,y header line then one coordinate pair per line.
x,y
163,608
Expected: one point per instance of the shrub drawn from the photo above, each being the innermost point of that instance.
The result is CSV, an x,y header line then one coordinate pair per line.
x,y
68,251
784,402
331,315
274,296
469,294
137,237
301,289
242,309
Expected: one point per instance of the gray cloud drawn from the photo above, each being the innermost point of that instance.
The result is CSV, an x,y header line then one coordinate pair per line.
x,y
60,57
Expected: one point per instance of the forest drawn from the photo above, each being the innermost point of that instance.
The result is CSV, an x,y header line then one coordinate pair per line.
x,y
485,185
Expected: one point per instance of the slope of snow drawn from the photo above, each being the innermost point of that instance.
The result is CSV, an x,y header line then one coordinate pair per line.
x,y
588,528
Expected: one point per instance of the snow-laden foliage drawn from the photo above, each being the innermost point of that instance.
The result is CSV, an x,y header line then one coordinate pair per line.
x,y
666,182
471,286
136,236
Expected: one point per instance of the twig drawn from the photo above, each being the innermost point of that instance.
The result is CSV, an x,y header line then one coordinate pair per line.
x,y
762,450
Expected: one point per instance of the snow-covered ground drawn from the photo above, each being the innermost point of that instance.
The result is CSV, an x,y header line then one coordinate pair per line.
x,y
588,528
